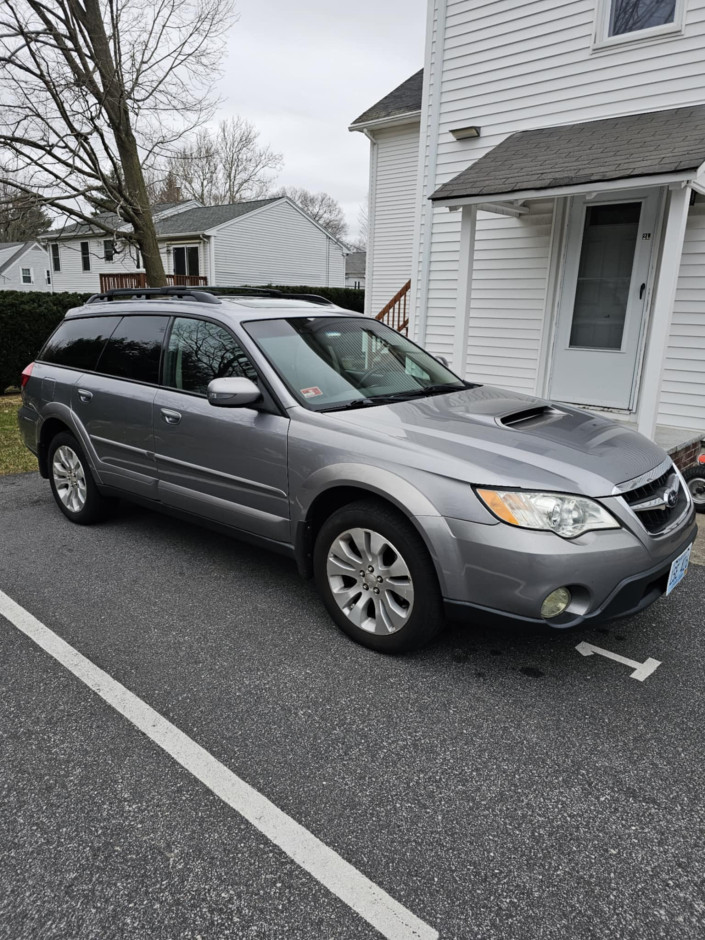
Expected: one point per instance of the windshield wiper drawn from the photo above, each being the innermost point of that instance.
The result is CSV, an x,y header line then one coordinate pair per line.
x,y
392,397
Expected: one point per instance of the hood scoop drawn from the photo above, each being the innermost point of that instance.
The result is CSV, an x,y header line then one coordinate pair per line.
x,y
529,418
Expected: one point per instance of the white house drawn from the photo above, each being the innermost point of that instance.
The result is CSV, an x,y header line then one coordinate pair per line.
x,y
268,241
558,235
24,266
355,264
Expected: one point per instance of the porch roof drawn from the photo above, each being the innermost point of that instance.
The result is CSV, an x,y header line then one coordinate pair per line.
x,y
656,144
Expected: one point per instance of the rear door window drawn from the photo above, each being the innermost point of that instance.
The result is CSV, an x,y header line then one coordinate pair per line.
x,y
134,349
78,343
200,351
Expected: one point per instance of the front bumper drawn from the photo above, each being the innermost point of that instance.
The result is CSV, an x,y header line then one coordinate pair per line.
x,y
504,573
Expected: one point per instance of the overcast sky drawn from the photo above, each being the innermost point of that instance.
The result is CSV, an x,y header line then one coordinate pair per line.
x,y
303,72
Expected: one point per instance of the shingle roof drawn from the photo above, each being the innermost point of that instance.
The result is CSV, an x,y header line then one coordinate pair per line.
x,y
404,99
110,219
654,143
206,217
5,245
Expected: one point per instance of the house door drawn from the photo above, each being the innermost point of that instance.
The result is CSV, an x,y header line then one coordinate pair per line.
x,y
603,301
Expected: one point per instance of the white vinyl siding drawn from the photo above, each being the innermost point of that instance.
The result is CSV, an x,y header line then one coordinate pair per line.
x,y
277,245
72,277
35,258
512,67
392,214
683,386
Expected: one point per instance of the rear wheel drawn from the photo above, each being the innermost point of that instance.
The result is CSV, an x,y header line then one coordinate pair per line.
x,y
377,579
72,484
695,479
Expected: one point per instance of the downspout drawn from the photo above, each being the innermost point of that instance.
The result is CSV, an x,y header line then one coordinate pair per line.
x,y
431,112
371,205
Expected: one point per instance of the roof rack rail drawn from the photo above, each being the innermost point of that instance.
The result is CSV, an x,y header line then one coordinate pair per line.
x,y
273,292
204,297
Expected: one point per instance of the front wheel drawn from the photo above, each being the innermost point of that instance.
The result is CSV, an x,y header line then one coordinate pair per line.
x,y
695,480
377,579
72,484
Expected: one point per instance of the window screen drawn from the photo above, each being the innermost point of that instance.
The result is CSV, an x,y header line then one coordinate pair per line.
x,y
628,16
200,351
134,349
78,343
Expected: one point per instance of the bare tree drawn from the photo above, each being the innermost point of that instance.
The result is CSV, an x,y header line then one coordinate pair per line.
x,y
96,91
21,217
322,208
226,166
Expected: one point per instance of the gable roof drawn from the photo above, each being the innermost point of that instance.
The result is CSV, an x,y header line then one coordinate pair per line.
x,y
5,245
23,248
204,218
404,99
651,144
111,220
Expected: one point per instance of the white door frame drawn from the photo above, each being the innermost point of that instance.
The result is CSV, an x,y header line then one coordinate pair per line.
x,y
567,260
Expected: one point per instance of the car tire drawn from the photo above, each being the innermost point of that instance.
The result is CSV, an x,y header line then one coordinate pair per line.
x,y
377,579
72,482
695,480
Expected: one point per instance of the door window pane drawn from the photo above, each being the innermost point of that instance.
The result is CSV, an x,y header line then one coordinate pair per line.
x,y
134,349
628,16
78,343
604,275
200,351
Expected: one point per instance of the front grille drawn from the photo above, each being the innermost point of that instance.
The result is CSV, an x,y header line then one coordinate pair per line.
x,y
657,521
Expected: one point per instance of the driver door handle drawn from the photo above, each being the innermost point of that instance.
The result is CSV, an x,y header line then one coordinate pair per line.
x,y
84,394
170,417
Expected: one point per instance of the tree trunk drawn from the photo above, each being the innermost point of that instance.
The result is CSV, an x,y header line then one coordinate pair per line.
x,y
138,209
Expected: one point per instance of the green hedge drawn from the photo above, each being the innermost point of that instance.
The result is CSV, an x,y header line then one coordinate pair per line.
x,y
28,317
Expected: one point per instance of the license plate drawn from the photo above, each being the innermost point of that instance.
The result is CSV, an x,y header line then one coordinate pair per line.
x,y
678,569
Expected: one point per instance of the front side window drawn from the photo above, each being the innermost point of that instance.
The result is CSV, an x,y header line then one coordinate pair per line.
x,y
628,17
77,343
108,249
26,275
85,256
134,349
200,351
55,258
331,362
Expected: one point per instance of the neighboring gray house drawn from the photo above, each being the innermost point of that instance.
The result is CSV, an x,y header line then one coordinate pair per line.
x,y
24,266
267,241
355,269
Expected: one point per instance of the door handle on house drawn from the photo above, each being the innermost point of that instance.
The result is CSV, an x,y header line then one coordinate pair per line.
x,y
641,291
84,394
171,417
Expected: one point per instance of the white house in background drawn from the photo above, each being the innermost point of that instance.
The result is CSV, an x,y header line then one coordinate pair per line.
x,y
268,241
355,264
24,266
558,236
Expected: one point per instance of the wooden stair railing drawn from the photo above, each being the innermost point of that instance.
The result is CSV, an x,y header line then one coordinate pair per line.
x,y
395,313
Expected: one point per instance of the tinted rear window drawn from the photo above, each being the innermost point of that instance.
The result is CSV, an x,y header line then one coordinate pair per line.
x,y
78,343
134,349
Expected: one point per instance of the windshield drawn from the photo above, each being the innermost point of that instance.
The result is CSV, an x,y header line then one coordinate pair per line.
x,y
333,362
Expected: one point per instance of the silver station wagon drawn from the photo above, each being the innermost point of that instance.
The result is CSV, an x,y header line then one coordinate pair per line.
x,y
407,492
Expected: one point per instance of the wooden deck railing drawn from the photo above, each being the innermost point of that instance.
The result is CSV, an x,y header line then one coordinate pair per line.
x,y
138,279
395,313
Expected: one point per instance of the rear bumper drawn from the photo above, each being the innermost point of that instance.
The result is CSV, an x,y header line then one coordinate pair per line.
x,y
628,596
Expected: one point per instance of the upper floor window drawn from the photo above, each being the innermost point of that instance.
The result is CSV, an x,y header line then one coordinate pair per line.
x,y
108,249
85,256
638,19
55,257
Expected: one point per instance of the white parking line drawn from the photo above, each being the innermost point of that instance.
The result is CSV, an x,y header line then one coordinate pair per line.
x,y
641,670
326,866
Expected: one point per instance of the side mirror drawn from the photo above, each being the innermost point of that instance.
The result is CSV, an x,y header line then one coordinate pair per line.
x,y
232,392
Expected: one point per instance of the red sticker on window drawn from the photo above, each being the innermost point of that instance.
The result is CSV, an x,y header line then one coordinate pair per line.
x,y
311,392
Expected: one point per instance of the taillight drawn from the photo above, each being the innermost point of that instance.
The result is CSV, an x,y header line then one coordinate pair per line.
x,y
701,458
26,374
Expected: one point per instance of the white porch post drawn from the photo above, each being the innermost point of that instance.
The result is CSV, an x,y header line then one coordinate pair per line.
x,y
468,228
662,310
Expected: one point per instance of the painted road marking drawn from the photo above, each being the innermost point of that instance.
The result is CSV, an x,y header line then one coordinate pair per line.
x,y
326,866
641,670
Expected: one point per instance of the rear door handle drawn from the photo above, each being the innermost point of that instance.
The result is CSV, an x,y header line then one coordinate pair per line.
x,y
171,417
84,394
641,291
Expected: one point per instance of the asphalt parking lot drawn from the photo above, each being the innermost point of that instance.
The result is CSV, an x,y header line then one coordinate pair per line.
x,y
498,785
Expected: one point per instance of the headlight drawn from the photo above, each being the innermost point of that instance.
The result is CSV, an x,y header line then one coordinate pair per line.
x,y
567,516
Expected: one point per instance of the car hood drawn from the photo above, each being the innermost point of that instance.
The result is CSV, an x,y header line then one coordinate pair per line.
x,y
491,436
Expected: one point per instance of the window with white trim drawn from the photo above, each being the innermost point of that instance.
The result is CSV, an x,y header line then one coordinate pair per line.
x,y
85,256
638,19
48,276
27,276
55,257
108,249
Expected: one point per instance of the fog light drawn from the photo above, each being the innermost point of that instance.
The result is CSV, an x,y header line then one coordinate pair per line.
x,y
555,603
